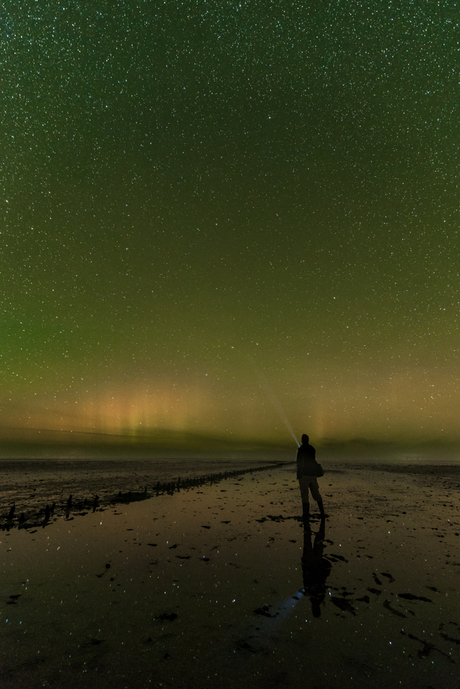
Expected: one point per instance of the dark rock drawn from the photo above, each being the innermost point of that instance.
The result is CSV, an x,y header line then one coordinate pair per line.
x,y
168,616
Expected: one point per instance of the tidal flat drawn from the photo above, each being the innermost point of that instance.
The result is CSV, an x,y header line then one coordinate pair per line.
x,y
222,585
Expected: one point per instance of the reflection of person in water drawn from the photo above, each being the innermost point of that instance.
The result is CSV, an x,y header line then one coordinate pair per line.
x,y
308,470
315,567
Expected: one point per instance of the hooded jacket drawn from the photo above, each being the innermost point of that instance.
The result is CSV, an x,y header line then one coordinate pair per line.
x,y
306,461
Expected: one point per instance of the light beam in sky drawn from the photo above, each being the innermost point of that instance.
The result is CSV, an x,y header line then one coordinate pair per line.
x,y
265,385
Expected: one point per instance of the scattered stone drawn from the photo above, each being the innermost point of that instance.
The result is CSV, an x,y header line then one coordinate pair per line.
x,y
388,576
386,604
343,604
14,599
264,610
94,642
411,596
168,617
446,637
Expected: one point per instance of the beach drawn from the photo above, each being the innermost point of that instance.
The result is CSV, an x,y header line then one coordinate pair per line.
x,y
220,584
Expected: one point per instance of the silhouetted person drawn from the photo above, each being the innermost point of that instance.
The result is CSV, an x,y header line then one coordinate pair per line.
x,y
308,470
315,567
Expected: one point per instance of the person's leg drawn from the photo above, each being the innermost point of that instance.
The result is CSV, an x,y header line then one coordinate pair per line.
x,y
305,511
317,495
303,483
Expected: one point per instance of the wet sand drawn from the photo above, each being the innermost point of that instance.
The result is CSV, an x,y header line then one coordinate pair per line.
x,y
223,586
32,484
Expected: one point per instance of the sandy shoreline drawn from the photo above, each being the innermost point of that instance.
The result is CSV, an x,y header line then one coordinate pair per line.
x,y
32,485
217,586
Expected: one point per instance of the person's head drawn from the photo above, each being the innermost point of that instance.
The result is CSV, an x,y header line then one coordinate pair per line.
x,y
305,439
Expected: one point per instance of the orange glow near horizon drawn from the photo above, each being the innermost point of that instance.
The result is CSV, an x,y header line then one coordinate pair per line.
x,y
398,407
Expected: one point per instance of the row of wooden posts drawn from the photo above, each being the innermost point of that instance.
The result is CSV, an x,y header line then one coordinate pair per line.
x,y
44,516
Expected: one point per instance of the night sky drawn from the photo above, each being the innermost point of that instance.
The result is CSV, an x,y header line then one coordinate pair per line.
x,y
217,212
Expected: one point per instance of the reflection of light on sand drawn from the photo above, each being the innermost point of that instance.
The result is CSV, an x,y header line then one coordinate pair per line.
x,y
259,635
288,605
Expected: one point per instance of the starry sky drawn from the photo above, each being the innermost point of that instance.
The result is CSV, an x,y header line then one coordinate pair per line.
x,y
230,219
